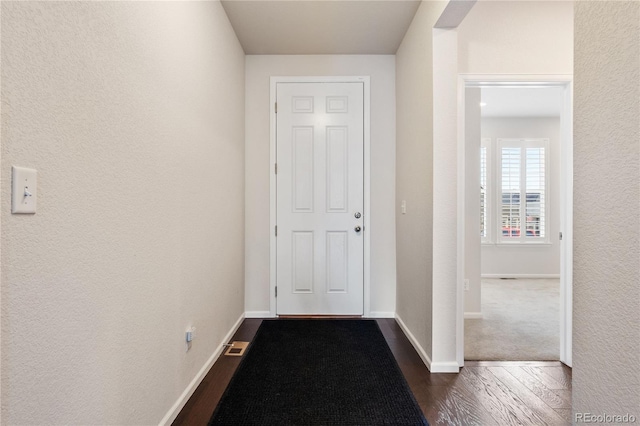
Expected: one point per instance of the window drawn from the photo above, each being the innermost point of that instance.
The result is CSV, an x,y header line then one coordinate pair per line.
x,y
522,185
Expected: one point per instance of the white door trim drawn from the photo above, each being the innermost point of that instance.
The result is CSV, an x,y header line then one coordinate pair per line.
x,y
367,179
566,208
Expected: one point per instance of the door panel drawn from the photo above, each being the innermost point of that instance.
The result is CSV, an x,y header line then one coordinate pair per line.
x,y
320,151
302,261
337,262
337,169
302,166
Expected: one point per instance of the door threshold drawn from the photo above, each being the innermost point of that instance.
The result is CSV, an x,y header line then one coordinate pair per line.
x,y
319,316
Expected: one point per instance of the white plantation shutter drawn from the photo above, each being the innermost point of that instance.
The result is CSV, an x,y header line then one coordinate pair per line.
x,y
522,187
536,192
483,192
510,160
485,189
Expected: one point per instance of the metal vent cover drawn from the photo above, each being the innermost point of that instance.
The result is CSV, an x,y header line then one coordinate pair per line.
x,y
236,348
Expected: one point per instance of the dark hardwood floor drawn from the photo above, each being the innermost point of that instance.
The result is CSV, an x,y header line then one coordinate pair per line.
x,y
483,393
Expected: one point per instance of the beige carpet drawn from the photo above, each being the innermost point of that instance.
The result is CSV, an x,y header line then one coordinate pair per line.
x,y
520,322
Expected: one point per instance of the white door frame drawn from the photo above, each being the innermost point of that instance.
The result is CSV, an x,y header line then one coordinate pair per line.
x,y
566,191
367,179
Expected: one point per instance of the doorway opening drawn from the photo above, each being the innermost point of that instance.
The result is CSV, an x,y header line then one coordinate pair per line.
x,y
517,168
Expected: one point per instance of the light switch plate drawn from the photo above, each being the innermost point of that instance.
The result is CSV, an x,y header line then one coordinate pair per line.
x,y
24,190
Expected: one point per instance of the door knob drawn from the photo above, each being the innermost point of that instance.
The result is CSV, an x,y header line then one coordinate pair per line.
x,y
358,229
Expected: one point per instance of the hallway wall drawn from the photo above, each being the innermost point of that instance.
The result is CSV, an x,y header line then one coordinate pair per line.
x,y
517,37
414,165
133,115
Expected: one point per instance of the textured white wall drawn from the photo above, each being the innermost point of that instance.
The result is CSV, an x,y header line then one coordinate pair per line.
x,y
381,68
133,115
414,175
527,260
606,338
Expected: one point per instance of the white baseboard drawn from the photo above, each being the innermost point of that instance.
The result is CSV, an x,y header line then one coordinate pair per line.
x,y
445,367
473,315
191,388
258,314
380,314
549,276
414,342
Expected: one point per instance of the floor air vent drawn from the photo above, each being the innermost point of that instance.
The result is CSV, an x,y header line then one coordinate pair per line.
x,y
236,348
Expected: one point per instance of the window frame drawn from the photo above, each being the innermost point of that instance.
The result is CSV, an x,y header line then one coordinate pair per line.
x,y
522,144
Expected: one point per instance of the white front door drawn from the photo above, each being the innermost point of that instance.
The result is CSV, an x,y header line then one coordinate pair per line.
x,y
320,198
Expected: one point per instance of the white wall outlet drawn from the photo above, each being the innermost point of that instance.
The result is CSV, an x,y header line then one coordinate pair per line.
x,y
24,190
189,335
466,285
403,207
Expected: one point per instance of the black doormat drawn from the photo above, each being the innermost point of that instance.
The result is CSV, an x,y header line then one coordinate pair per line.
x,y
318,372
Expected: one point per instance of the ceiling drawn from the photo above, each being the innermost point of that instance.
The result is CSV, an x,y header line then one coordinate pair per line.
x,y
316,27
522,102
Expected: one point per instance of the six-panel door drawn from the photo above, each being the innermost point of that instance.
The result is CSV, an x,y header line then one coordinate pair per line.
x,y
320,147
